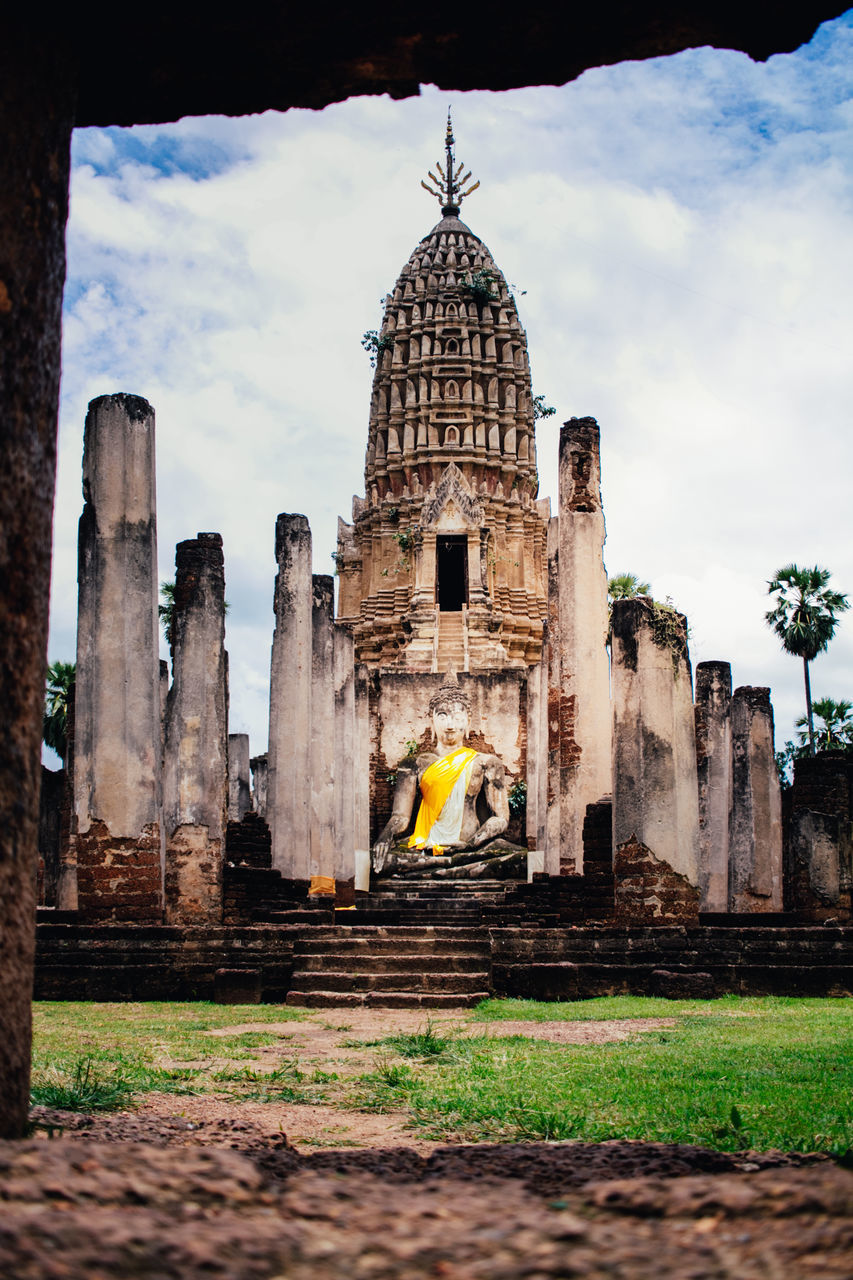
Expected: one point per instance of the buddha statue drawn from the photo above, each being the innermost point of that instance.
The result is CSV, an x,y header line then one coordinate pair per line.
x,y
450,780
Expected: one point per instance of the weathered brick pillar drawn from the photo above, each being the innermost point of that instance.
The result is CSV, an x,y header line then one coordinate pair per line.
x,y
196,736
655,790
345,762
755,832
819,846
260,779
713,766
321,774
551,652
289,790
361,777
537,763
117,825
239,777
584,677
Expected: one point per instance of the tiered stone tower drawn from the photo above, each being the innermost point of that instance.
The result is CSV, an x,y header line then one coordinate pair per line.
x,y
444,563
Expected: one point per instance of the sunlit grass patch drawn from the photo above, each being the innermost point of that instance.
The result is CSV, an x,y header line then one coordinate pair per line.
x,y
419,1044
781,1077
81,1088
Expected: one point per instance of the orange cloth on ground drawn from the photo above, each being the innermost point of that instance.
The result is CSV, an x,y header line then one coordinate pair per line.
x,y
436,785
322,884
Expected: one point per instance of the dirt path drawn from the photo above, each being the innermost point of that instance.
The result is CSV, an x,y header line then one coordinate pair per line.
x,y
348,1044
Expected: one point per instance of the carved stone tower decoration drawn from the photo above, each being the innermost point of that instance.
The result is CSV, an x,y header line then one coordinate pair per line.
x,y
444,563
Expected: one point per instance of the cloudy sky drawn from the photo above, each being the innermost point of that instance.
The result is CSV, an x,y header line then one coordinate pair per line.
x,y
682,232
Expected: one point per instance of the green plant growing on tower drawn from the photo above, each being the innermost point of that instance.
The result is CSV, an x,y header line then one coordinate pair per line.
x,y
481,286
375,345
804,617
541,409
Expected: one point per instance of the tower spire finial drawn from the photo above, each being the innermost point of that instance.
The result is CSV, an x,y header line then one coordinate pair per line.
x,y
447,187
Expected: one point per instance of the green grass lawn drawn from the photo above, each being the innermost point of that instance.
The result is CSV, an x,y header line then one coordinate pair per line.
x,y
729,1074
90,1056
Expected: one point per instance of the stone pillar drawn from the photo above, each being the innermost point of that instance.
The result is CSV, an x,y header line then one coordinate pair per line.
x,y
195,766
819,853
584,676
755,831
713,766
288,795
321,772
36,106
260,780
117,831
361,778
655,789
537,764
239,778
552,709
344,794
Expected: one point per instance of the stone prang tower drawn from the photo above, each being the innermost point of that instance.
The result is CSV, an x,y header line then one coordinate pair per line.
x,y
444,564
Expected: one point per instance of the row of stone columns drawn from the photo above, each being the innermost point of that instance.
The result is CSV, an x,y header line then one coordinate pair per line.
x,y
317,771
694,785
148,831
150,772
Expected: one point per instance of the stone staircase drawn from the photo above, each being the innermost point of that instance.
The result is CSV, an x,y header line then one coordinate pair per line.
x,y
450,652
391,967
423,900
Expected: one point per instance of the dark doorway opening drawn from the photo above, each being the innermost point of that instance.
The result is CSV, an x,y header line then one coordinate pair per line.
x,y
451,562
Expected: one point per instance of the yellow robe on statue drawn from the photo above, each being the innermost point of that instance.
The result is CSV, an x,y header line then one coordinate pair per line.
x,y
437,784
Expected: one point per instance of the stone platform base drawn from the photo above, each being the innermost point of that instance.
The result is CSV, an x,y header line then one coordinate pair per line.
x,y
375,964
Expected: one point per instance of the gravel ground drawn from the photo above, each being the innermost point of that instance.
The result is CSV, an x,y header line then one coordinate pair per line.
x,y
162,1198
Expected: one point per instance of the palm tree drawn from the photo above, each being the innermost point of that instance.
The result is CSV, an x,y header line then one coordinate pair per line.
x,y
835,732
60,678
624,586
166,609
804,618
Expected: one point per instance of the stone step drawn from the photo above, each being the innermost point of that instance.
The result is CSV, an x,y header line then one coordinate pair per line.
x,y
273,915
356,947
385,999
414,962
439,983
439,933
400,916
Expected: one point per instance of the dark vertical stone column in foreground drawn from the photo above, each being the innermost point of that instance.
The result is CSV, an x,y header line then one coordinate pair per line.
x,y
713,767
239,777
35,125
117,824
289,778
195,763
755,832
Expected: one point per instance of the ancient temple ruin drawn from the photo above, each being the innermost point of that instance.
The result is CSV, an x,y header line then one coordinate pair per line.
x,y
593,786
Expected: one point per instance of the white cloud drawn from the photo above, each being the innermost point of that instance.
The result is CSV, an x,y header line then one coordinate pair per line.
x,y
681,228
